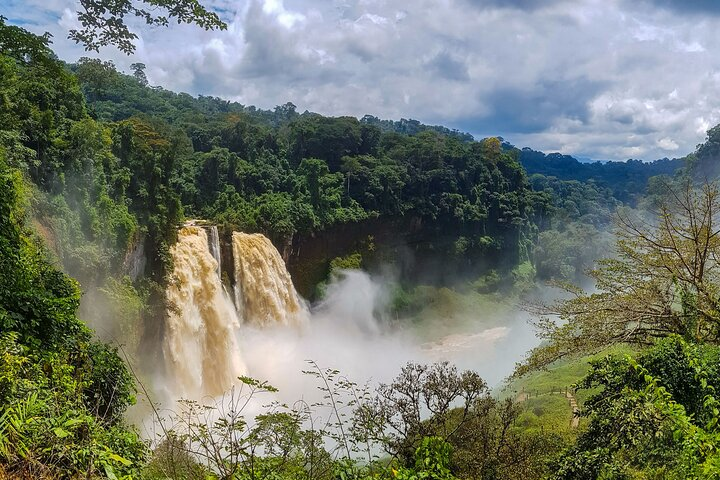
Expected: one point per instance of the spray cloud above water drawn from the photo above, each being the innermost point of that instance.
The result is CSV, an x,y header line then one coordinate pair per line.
x,y
270,334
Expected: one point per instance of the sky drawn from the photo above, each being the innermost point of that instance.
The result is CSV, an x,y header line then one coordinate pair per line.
x,y
604,79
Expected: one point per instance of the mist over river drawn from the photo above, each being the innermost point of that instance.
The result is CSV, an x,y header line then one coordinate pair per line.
x,y
265,330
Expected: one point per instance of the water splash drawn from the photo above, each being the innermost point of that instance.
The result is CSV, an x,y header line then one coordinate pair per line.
x,y
264,292
353,301
200,349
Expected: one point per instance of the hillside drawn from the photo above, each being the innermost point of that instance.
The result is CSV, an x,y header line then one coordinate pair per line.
x,y
627,180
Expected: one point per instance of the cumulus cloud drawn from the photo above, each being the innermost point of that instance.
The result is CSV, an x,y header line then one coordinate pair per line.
x,y
514,4
668,144
688,6
604,79
535,108
447,65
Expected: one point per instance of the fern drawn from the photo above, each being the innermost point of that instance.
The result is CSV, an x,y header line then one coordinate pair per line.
x,y
13,427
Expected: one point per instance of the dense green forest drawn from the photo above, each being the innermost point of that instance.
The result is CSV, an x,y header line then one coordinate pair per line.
x,y
626,180
292,175
96,166
464,208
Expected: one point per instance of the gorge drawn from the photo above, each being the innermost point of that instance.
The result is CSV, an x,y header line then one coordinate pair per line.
x,y
248,319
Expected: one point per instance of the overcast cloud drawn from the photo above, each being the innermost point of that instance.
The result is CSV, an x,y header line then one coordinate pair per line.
x,y
605,79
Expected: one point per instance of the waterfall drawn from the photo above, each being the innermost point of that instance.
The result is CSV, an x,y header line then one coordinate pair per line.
x,y
200,348
214,243
264,292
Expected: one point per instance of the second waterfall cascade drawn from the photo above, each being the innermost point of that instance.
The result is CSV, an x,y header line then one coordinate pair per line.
x,y
264,292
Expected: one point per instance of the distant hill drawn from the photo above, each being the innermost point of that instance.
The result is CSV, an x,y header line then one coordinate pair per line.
x,y
590,160
627,180
413,127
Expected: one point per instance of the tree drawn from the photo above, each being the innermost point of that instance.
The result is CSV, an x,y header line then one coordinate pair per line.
x,y
103,21
139,73
438,401
651,417
665,280
62,396
23,46
99,78
703,164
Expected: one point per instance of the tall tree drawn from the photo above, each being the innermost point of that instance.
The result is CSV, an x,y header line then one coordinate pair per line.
x,y
139,73
664,280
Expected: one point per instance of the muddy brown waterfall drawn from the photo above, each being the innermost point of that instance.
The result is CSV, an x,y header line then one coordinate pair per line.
x,y
264,292
200,345
214,245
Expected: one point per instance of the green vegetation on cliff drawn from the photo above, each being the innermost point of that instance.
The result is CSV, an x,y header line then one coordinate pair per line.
x,y
290,175
62,395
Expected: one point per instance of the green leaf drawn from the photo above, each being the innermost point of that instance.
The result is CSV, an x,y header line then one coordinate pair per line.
x,y
110,473
118,458
72,422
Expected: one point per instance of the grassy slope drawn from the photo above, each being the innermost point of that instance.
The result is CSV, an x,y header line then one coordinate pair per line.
x,y
545,406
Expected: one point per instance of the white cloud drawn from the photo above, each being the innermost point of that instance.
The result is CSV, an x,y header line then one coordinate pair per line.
x,y
284,17
69,20
607,79
668,144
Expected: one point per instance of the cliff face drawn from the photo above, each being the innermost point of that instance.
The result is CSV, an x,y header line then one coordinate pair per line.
x,y
409,247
